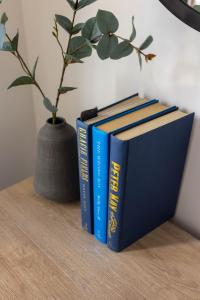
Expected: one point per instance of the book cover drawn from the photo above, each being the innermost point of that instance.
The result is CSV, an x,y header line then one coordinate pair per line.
x,y
145,178
101,159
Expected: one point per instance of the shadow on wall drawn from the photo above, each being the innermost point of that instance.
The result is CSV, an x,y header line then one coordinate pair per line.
x,y
188,209
184,83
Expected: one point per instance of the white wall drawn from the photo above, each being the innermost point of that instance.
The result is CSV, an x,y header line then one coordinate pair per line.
x,y
174,76
17,128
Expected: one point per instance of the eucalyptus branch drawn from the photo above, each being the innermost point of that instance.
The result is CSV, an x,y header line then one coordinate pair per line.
x,y
136,48
26,68
56,35
96,33
15,54
21,63
64,63
60,45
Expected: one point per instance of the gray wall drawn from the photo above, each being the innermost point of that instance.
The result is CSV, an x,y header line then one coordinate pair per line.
x,y
17,124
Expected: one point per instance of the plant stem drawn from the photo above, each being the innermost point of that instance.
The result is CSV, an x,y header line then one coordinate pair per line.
x,y
64,63
55,34
60,45
26,68
54,118
126,40
61,82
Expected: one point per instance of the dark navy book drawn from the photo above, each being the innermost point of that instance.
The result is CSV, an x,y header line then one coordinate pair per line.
x,y
84,133
146,168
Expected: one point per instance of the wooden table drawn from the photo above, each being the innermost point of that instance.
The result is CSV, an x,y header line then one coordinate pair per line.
x,y
44,254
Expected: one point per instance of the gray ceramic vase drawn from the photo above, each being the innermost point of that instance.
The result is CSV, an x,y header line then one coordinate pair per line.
x,y
56,172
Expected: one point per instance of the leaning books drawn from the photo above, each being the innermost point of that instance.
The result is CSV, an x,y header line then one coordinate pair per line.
x,y
131,162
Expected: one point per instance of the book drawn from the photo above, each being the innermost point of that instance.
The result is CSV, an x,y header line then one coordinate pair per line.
x,y
101,143
146,167
84,134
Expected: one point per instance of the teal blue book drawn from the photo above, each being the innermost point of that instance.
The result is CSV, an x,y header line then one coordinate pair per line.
x,y
101,152
146,168
84,133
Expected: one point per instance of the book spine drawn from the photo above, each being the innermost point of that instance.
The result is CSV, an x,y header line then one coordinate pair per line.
x,y
117,181
100,183
85,176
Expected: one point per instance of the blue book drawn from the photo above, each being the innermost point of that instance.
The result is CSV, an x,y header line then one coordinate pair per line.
x,y
101,156
84,133
146,167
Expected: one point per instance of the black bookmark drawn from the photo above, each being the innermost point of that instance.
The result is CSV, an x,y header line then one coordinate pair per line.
x,y
89,114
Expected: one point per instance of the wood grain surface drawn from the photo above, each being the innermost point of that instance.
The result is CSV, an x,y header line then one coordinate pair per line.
x,y
44,254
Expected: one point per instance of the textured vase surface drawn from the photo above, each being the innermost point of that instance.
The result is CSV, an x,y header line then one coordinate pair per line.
x,y
56,172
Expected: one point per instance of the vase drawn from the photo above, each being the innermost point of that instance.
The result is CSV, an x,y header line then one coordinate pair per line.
x,y
56,172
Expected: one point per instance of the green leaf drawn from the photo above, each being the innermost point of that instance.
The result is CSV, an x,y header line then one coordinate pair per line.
x,y
10,46
89,43
71,3
2,35
79,48
7,47
64,22
133,34
4,18
106,46
146,43
197,8
49,106
84,3
35,66
107,22
24,80
140,60
14,42
122,50
65,89
77,28
71,59
91,31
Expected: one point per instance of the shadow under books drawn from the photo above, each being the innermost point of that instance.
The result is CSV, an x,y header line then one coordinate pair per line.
x,y
166,235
